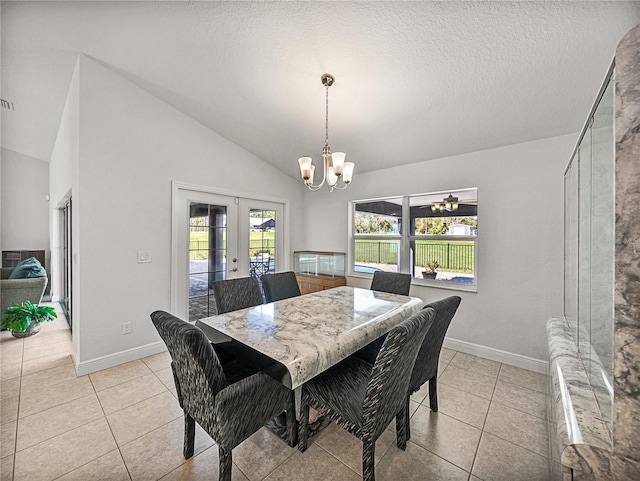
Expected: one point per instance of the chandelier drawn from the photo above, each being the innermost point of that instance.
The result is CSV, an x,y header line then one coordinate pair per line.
x,y
448,203
334,166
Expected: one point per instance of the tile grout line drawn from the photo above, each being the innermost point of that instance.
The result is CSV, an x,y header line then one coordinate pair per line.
x,y
15,447
428,407
330,454
118,447
109,426
475,456
440,456
514,443
63,432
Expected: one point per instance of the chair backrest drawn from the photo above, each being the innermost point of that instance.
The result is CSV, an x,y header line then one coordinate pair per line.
x,y
280,286
387,388
234,294
391,282
427,361
195,366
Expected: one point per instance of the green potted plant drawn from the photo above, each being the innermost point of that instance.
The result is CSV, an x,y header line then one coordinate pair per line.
x,y
430,269
24,320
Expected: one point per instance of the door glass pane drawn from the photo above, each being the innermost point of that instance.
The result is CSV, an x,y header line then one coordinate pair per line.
x,y
262,241
207,256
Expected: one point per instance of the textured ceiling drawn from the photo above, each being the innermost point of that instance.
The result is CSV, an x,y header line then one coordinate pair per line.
x,y
414,81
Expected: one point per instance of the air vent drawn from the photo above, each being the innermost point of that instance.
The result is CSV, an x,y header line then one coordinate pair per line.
x,y
6,104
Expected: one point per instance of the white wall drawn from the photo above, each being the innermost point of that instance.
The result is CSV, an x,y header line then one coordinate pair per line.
x,y
131,146
64,178
520,244
25,210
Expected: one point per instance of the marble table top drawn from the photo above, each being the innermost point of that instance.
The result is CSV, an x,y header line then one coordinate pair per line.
x,y
310,333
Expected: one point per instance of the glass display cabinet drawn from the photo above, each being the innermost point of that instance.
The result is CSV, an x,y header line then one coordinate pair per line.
x,y
317,271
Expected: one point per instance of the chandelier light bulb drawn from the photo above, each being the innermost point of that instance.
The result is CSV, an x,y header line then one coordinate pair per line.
x,y
338,162
347,172
305,167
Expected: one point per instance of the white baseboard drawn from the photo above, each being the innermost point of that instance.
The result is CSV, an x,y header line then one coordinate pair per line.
x,y
505,357
111,360
524,362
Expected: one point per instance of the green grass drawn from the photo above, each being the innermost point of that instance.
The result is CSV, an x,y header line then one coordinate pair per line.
x,y
453,256
258,242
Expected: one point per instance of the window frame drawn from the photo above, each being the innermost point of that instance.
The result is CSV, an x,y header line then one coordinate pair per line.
x,y
405,253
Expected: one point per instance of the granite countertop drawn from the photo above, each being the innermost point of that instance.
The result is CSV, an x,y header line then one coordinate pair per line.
x,y
580,430
310,333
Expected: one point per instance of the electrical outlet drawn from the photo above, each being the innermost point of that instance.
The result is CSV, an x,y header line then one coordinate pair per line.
x,y
126,328
144,257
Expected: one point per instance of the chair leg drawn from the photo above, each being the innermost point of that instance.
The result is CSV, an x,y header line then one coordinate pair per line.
x,y
189,436
292,423
303,427
402,426
225,464
368,460
433,393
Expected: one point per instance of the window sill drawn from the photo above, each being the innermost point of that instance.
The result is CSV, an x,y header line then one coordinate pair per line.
x,y
452,286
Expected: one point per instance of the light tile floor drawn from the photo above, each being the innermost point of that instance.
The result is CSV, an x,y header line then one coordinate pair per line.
x,y
124,423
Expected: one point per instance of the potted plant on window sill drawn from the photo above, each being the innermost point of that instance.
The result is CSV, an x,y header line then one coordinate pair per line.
x,y
430,269
24,320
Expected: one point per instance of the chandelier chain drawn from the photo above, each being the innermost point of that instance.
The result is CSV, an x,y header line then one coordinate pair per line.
x,y
326,116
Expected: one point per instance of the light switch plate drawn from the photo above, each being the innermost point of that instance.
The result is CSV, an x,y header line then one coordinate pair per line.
x,y
144,257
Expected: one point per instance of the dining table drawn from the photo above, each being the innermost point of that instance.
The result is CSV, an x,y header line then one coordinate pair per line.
x,y
296,339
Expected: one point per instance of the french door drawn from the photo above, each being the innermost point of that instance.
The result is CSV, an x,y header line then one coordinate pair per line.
x,y
217,237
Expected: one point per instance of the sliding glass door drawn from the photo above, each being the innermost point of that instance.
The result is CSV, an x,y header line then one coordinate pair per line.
x,y
65,301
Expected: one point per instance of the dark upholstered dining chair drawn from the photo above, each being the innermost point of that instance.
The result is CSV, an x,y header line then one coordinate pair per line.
x,y
426,366
363,398
234,294
282,285
230,402
392,282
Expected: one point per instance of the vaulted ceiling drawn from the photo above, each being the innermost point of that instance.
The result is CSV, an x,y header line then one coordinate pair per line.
x,y
414,81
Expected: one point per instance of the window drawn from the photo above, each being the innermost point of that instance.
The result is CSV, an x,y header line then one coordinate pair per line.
x,y
437,245
377,233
